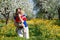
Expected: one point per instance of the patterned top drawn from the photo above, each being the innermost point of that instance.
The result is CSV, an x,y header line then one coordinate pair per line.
x,y
23,18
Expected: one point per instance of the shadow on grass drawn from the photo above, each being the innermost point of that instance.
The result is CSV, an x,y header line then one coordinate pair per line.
x,y
1,24
35,31
57,22
8,35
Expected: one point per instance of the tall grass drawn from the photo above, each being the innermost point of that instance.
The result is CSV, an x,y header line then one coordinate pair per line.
x,y
38,30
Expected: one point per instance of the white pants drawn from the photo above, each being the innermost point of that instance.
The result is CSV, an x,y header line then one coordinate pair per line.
x,y
24,32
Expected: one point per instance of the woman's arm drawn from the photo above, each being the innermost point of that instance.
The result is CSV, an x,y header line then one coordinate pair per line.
x,y
22,21
20,18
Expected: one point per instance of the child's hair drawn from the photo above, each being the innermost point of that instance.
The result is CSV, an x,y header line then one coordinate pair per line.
x,y
22,12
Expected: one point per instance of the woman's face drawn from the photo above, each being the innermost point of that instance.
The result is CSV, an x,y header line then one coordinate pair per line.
x,y
19,11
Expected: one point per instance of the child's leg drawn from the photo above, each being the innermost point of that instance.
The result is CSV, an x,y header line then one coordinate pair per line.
x,y
26,33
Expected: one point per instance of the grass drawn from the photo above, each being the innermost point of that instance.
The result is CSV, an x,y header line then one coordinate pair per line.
x,y
38,30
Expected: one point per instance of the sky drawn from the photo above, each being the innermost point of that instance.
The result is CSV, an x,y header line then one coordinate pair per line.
x,y
31,1
34,12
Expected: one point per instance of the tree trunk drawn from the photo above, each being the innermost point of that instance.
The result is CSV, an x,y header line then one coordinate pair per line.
x,y
59,13
6,16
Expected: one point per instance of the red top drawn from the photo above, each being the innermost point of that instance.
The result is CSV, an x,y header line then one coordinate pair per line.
x,y
23,18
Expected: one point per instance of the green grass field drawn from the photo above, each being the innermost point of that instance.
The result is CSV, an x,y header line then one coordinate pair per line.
x,y
38,30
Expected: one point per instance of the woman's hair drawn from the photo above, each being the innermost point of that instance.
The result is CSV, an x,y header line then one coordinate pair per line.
x,y
17,10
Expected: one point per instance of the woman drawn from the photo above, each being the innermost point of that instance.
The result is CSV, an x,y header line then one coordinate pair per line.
x,y
20,22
